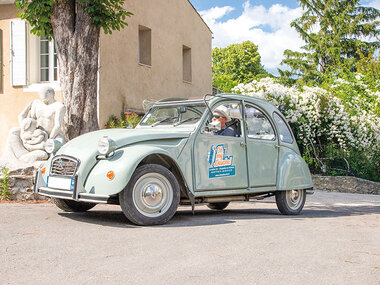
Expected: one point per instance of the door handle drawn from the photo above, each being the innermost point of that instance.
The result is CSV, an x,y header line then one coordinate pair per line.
x,y
276,146
242,144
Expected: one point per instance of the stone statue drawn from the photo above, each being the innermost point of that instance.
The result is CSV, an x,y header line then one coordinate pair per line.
x,y
40,120
32,137
47,112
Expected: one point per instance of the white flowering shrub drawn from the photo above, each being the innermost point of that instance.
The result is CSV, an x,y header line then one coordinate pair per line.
x,y
336,114
360,96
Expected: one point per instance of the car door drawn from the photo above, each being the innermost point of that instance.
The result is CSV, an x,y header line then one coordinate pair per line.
x,y
220,162
262,148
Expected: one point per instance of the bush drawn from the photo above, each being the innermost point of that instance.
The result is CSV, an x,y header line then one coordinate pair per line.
x,y
5,189
126,121
365,167
342,116
334,161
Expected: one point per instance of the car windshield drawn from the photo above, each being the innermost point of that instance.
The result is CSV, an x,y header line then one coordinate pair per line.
x,y
173,115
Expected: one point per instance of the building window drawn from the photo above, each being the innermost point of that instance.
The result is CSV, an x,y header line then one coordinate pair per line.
x,y
145,45
186,57
48,61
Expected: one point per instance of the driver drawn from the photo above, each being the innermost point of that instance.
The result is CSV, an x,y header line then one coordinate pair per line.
x,y
220,115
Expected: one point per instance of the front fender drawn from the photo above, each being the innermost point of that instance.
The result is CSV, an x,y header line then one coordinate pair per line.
x,y
293,172
123,163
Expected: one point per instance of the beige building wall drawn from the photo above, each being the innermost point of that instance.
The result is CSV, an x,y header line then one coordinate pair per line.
x,y
124,83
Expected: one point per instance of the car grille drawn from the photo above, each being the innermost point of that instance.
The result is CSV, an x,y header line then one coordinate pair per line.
x,y
63,166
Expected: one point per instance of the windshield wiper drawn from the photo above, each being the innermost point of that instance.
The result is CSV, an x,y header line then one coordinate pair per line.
x,y
163,121
184,121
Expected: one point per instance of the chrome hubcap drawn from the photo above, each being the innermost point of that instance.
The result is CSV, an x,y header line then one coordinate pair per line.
x,y
294,198
152,194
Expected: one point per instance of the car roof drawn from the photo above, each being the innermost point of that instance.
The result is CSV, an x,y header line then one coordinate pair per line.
x,y
252,99
212,99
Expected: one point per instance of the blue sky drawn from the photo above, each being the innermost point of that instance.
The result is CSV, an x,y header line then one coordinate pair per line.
x,y
265,23
238,4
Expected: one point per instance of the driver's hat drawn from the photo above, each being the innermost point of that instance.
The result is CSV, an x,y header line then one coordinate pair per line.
x,y
222,111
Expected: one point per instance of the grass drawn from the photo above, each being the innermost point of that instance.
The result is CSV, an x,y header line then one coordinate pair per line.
x,y
5,189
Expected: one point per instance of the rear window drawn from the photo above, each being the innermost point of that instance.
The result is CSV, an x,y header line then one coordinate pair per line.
x,y
259,126
284,132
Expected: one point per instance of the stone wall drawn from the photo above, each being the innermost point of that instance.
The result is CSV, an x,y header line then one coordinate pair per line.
x,y
346,184
22,186
21,183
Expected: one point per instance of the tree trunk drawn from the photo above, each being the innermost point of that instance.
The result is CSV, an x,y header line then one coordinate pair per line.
x,y
77,45
323,64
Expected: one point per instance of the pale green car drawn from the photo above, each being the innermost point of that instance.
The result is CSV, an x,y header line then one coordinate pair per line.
x,y
176,156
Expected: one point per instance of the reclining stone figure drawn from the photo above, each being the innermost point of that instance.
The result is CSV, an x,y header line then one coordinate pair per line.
x,y
40,120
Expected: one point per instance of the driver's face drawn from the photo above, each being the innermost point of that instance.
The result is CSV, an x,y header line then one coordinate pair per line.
x,y
218,117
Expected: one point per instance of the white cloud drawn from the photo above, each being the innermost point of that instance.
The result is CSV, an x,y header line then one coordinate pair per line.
x,y
216,13
268,28
374,4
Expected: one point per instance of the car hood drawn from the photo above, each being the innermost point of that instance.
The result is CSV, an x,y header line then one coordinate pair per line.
x,y
87,145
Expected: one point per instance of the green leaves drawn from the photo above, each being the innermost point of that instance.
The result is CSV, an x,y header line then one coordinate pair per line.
x,y
5,189
334,32
37,13
109,15
237,63
126,121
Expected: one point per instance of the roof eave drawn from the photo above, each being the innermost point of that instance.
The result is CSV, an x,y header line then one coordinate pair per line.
x,y
200,16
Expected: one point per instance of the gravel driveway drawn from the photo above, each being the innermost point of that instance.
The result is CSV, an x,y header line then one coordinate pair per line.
x,y
336,240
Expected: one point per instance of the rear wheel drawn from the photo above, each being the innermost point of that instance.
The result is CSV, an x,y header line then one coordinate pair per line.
x,y
290,202
72,206
151,196
218,205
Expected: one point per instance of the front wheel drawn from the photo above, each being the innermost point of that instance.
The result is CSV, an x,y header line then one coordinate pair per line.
x,y
151,196
290,202
72,206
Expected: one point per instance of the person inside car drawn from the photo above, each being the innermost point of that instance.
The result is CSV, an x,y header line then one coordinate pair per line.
x,y
220,116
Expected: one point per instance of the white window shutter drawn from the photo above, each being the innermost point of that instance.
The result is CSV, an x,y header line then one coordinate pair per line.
x,y
18,52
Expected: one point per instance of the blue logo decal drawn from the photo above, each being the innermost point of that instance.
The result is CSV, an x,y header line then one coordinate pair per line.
x,y
221,164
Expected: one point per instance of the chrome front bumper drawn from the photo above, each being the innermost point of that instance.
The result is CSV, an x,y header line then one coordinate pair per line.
x,y
41,188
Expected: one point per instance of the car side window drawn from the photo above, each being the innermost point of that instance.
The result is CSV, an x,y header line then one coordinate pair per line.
x,y
230,113
258,125
285,134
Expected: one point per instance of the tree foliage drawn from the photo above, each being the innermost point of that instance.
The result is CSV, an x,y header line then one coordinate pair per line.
x,y
336,33
234,64
106,14
369,65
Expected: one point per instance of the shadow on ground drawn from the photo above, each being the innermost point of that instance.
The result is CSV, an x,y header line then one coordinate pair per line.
x,y
205,217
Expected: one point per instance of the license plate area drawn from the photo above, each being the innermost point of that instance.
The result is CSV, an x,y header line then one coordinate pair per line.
x,y
63,183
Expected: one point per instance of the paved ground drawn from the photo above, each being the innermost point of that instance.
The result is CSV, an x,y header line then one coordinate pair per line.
x,y
335,241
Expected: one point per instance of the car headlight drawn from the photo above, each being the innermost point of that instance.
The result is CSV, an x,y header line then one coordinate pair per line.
x,y
52,146
106,145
